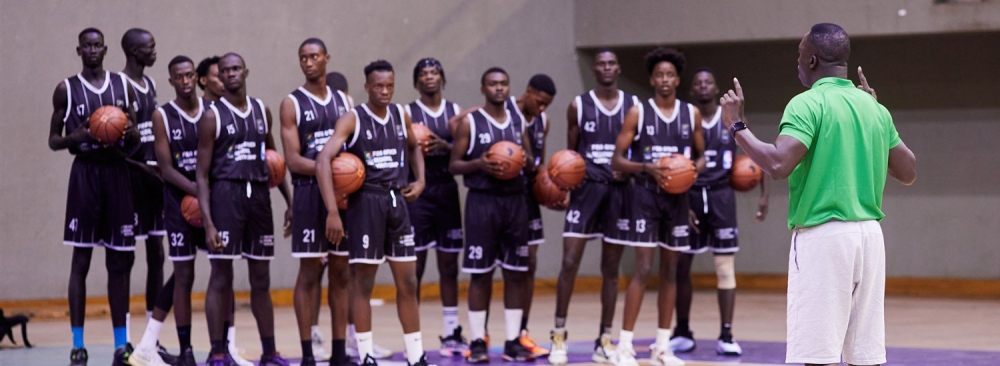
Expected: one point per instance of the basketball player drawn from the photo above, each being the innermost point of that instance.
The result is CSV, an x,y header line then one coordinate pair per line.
x,y
836,145
147,189
212,88
175,131
713,204
495,214
232,178
661,126
308,116
537,96
96,215
378,132
596,206
436,215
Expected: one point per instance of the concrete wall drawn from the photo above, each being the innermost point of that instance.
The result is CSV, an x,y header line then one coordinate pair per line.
x,y
39,37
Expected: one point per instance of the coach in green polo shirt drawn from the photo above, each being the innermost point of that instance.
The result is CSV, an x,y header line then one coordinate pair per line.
x,y
836,146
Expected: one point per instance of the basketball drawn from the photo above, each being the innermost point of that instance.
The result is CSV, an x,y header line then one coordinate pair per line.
x,y
341,201
567,169
107,124
191,211
421,133
746,173
510,156
276,164
348,174
546,192
679,172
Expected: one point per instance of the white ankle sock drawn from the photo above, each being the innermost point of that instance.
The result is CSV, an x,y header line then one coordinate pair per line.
x,y
414,347
512,322
663,337
365,345
151,334
450,315
625,339
477,324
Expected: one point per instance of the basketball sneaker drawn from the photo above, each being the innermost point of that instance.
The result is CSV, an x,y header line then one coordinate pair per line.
x,y
558,355
273,359
143,356
604,351
78,357
121,355
682,342
317,346
661,355
479,352
626,357
728,347
454,344
530,345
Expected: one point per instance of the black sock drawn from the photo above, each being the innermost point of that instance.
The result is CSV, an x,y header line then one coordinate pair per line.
x,y
226,325
727,332
219,347
184,336
267,343
339,352
682,327
307,348
524,323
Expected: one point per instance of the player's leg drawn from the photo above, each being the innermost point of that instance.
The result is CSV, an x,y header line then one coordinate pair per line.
x,y
318,350
367,227
721,235
645,233
229,214
306,285
258,249
260,304
675,232
479,261
79,268
338,299
536,237
219,304
448,231
515,259
682,339
310,246
154,270
147,352
421,213
183,283
399,250
572,255
611,256
362,283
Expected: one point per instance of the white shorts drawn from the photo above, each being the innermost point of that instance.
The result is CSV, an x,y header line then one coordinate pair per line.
x,y
836,294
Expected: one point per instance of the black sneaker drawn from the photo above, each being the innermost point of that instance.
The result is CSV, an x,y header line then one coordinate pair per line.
x,y
166,357
454,344
273,359
369,361
478,352
122,354
308,361
347,361
514,351
186,358
421,362
224,361
78,357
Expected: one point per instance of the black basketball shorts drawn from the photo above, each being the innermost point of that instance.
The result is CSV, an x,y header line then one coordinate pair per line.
x,y
715,208
496,232
241,212
379,226
183,240
309,224
437,218
147,196
99,209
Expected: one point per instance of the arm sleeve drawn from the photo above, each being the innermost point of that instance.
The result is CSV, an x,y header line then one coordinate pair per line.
x,y
892,135
799,120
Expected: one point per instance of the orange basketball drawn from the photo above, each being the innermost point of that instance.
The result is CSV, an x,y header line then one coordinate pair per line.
x,y
107,124
348,174
421,133
341,201
276,163
546,192
191,211
746,173
679,172
510,156
567,169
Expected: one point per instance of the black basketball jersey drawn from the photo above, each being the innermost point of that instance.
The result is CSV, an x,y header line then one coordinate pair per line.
x,y
381,144
240,139
435,163
182,132
535,130
145,104
83,99
719,149
598,131
484,131
315,120
658,135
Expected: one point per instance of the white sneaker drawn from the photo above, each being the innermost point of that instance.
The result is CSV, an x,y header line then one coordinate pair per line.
x,y
728,348
682,344
661,355
558,354
235,354
378,352
317,344
604,351
146,357
626,357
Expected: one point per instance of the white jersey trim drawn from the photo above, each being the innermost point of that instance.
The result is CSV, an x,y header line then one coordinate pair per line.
x,y
711,123
241,114
298,110
455,108
135,85
429,112
263,112
163,116
69,100
472,134
402,120
357,128
613,111
348,101
499,125
673,116
578,102
382,120
125,90
638,126
329,96
692,110
218,121
195,119
107,81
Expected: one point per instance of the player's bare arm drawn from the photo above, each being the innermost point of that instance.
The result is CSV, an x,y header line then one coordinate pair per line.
x,y
413,190
290,141
457,165
206,143
572,127
529,159
699,143
162,148
902,164
619,162
60,104
324,175
777,159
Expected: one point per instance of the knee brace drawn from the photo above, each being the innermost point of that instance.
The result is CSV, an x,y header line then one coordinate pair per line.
x,y
725,271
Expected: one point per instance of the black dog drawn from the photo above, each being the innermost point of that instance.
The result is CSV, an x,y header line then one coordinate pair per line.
x,y
7,328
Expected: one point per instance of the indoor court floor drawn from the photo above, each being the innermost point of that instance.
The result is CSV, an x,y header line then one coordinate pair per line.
x,y
920,331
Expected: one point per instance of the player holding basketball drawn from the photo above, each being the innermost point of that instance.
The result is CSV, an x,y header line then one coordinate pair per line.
x,y
713,205
662,126
436,215
96,216
836,145
597,205
378,132
308,116
495,214
147,187
537,96
232,178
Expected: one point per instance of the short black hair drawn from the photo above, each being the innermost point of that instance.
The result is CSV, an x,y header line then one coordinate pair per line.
x,y
179,59
664,54
543,83
377,65
482,79
203,68
131,38
704,69
316,41
831,42
603,50
336,81
234,54
428,62
89,30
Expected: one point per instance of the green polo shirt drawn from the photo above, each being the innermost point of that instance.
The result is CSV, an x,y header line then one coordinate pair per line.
x,y
848,135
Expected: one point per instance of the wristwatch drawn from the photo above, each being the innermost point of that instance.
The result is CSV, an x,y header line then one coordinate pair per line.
x,y
739,126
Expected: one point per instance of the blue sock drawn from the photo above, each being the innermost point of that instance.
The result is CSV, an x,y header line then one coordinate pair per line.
x,y
77,337
121,336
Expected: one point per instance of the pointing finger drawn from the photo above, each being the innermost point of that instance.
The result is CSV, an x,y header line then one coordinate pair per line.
x,y
864,81
739,89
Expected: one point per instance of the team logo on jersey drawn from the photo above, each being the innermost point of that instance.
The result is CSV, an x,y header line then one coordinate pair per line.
x,y
650,130
229,152
119,104
725,136
685,131
340,109
260,126
399,133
